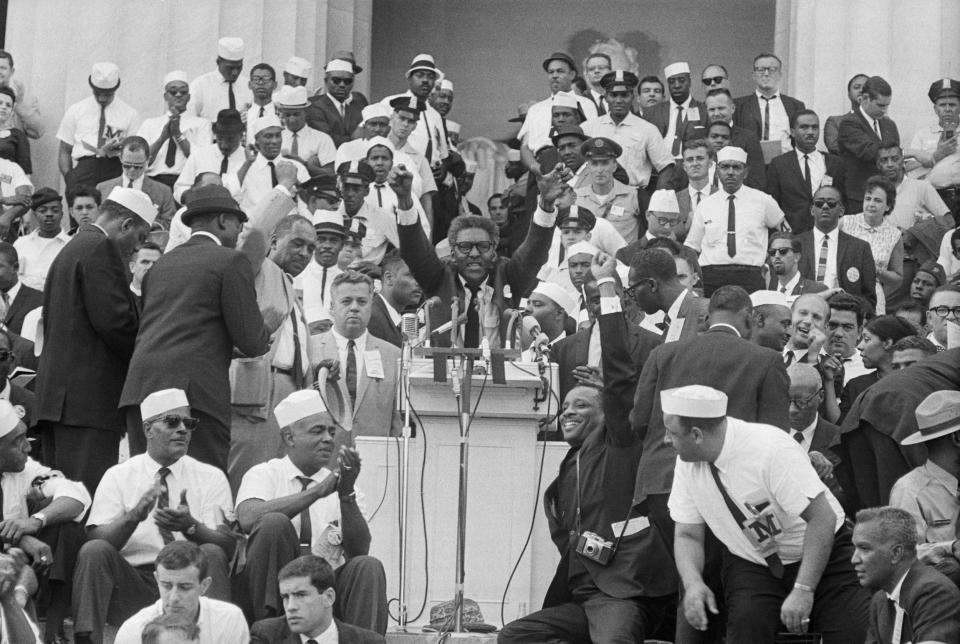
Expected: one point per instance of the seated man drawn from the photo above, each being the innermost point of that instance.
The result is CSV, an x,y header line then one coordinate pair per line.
x,y
38,249
551,306
287,506
140,506
182,580
929,492
307,589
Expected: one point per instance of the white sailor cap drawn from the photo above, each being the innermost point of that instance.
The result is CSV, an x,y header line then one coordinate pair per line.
x,y
299,405
675,69
374,111
584,248
565,99
664,201
135,200
694,401
230,48
161,402
270,119
380,140
760,298
176,76
732,153
558,294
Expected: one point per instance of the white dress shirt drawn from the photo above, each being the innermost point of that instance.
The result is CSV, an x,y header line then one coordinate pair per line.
x,y
429,131
257,183
310,143
756,214
791,284
315,291
329,636
643,147
80,126
18,486
196,130
209,95
818,167
220,622
872,122
535,131
779,121
254,113
37,254
830,276
207,158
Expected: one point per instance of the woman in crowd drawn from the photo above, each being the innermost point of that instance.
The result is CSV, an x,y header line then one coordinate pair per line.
x,y
876,348
14,144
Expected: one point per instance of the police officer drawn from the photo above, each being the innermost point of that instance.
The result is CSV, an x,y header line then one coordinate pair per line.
x,y
605,196
935,147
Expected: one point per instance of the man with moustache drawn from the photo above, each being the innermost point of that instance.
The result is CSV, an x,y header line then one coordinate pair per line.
x,y
771,320
784,253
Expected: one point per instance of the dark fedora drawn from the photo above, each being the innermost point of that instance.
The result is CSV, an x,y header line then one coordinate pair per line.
x,y
228,122
212,199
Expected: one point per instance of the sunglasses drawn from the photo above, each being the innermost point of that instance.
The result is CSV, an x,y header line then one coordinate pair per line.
x,y
336,80
178,92
172,421
714,80
632,289
825,203
773,252
466,247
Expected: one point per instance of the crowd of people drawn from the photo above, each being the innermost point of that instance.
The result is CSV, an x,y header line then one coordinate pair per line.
x,y
755,330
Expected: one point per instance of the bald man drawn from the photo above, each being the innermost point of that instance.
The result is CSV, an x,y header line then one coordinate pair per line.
x,y
815,434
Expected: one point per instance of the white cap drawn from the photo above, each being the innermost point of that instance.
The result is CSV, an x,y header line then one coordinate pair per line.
x,y
230,48
423,62
453,126
337,65
675,69
327,217
380,140
135,200
732,153
299,405
446,85
513,155
375,111
269,119
471,166
558,294
664,201
177,76
298,67
565,99
9,417
161,402
582,248
105,76
291,97
760,298
694,401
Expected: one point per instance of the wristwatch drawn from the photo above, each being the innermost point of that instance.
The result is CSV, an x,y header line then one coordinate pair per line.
x,y
41,517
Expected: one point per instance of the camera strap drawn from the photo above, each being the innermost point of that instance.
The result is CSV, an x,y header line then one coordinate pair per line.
x,y
626,519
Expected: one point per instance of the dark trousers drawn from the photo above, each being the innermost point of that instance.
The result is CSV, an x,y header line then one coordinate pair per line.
x,y
81,453
361,583
92,170
718,275
56,584
754,596
209,443
599,619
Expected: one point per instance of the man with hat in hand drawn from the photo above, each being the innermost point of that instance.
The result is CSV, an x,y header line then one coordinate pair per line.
x,y
175,134
224,157
935,147
140,506
788,550
226,87
313,148
90,322
606,197
259,175
199,307
91,130
295,505
682,113
337,112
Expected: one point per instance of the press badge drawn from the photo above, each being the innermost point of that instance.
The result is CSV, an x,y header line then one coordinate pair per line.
x,y
761,526
6,178
634,525
616,211
692,114
373,364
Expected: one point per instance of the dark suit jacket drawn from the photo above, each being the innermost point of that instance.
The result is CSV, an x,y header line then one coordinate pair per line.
x,y
753,377
89,323
749,113
381,326
274,630
160,195
932,606
569,353
518,272
687,207
27,299
785,184
852,253
659,115
199,302
750,143
803,286
324,116
859,148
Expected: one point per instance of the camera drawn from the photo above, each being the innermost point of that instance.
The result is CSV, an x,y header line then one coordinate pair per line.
x,y
594,547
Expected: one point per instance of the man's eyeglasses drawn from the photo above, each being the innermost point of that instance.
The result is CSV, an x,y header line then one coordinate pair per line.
x,y
826,203
665,221
466,247
766,70
178,92
714,80
631,290
338,80
173,421
133,166
945,311
803,403
773,252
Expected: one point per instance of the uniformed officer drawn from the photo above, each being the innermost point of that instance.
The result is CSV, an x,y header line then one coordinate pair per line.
x,y
788,550
935,147
605,196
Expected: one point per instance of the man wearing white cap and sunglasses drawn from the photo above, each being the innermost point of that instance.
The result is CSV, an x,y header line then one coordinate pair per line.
x,y
140,506
90,322
173,135
226,87
337,111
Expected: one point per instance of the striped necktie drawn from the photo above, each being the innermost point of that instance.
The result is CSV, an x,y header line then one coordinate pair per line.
x,y
822,261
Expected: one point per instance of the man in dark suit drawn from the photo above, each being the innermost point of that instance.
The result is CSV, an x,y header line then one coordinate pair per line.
x,y
307,590
89,323
860,136
18,298
767,112
846,262
913,602
199,306
819,437
792,178
338,110
677,117
399,293
134,156
476,274
654,287
785,253
578,355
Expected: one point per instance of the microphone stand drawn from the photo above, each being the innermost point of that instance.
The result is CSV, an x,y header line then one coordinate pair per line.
x,y
404,487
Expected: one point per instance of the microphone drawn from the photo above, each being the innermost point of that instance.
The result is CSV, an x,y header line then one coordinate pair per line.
x,y
409,328
529,330
454,315
512,316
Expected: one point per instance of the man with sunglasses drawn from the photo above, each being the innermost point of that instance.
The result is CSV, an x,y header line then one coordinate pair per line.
x,y
679,115
173,135
944,308
784,255
140,506
767,112
134,154
715,76
337,111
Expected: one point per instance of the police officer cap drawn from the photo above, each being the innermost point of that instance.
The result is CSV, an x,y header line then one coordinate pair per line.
x,y
355,172
568,130
583,218
619,80
410,104
944,87
600,148
322,184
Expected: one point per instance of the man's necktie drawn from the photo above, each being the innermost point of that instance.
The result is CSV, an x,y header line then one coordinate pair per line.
x,y
766,118
103,126
340,108
731,228
273,174
699,197
601,107
231,98
806,174
260,115
295,146
352,371
664,325
306,526
426,124
171,155
876,128
6,306
471,337
676,132
163,500
822,261
379,188
897,633
788,359
224,164
783,289
130,183
798,436
323,285
297,358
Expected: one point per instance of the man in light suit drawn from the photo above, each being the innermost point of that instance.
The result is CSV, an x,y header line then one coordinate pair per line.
x,y
767,112
133,160
338,110
860,136
676,117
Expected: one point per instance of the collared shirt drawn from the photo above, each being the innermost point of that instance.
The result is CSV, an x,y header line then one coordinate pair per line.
x,y
927,139
122,486
704,193
330,636
310,143
277,478
643,147
257,183
929,493
315,292
52,485
203,233
12,293
535,131
12,177
207,158
939,345
779,121
429,131
209,94
423,181
672,125
916,200
254,113
283,356
220,622
872,122
382,196
853,367
793,355
790,285
756,213
196,130
594,347
36,255
807,433
619,207
830,274
80,126
359,348
818,166
760,467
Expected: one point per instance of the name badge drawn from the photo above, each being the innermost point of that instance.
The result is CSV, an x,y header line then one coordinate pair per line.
x,y
373,364
616,211
853,274
634,525
827,181
676,328
692,114
4,134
